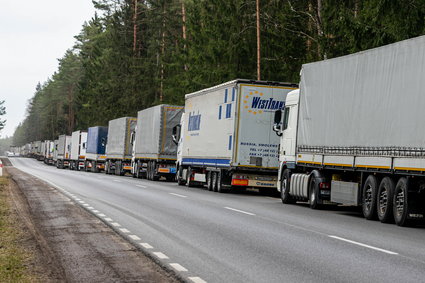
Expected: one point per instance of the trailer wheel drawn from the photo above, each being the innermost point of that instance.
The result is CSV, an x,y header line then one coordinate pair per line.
x,y
313,193
285,186
179,177
209,181
220,186
400,202
385,200
369,194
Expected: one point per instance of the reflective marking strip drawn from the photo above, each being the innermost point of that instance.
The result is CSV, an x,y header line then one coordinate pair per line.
x,y
160,255
310,162
177,195
146,245
241,211
134,237
409,169
373,166
363,245
124,230
197,280
337,164
178,267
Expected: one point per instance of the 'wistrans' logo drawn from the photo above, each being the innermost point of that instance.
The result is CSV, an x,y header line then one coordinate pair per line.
x,y
255,104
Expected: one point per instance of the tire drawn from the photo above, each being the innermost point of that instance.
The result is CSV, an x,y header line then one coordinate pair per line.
x,y
400,202
179,177
214,181
385,199
209,181
369,195
285,187
220,187
313,194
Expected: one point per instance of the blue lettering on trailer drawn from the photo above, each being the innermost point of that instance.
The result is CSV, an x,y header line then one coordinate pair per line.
x,y
270,104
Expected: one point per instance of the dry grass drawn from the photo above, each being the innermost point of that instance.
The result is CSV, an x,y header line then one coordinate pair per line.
x,y
14,259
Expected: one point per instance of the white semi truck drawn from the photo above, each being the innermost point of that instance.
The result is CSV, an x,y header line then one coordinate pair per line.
x,y
225,139
353,135
63,151
78,150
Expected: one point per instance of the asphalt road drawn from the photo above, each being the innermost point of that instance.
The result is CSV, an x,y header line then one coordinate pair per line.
x,y
243,237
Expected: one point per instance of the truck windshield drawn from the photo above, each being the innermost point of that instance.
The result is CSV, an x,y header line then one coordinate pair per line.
x,y
285,118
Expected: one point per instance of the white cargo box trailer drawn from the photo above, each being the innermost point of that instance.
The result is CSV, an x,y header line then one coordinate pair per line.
x,y
118,147
63,151
154,152
226,139
78,150
353,135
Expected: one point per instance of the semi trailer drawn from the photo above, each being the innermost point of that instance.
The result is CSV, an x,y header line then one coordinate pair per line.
x,y
352,134
48,152
95,152
63,151
225,139
78,150
118,146
154,152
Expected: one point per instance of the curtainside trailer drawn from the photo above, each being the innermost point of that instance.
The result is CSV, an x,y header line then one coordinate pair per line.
x,y
118,147
352,134
95,152
225,139
154,153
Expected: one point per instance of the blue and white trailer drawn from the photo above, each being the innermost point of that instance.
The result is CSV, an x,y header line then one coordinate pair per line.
x,y
96,145
225,139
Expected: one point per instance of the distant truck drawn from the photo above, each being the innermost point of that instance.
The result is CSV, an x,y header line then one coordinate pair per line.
x,y
48,151
55,151
118,147
78,150
63,151
154,153
36,149
225,139
95,152
352,134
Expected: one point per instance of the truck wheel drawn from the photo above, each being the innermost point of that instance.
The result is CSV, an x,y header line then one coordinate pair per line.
x,y
180,180
209,181
220,187
385,200
285,187
313,194
369,193
400,202
214,181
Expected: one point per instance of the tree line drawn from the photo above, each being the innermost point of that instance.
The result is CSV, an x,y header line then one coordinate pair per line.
x,y
135,54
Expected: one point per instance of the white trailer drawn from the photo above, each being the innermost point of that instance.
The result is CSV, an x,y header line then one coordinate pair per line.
x,y
78,150
47,151
154,152
63,151
118,146
225,139
352,134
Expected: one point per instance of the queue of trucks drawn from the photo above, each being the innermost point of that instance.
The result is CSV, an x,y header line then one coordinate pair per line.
x,y
350,134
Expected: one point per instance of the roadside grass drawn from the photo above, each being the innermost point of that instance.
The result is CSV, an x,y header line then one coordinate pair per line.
x,y
13,258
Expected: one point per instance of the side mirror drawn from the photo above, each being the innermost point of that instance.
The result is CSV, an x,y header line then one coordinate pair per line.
x,y
104,141
278,116
176,134
84,145
132,137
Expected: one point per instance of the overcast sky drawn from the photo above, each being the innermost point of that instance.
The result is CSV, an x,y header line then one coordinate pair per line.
x,y
33,35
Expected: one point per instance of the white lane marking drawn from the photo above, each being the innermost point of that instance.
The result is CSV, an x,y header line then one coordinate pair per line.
x,y
95,211
177,195
241,211
134,237
160,255
115,224
101,214
117,181
124,230
275,199
108,219
363,245
86,204
81,201
146,245
197,280
90,207
178,267
77,199
141,186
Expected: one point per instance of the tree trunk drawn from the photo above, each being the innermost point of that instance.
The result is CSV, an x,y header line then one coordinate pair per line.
x,y
258,42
